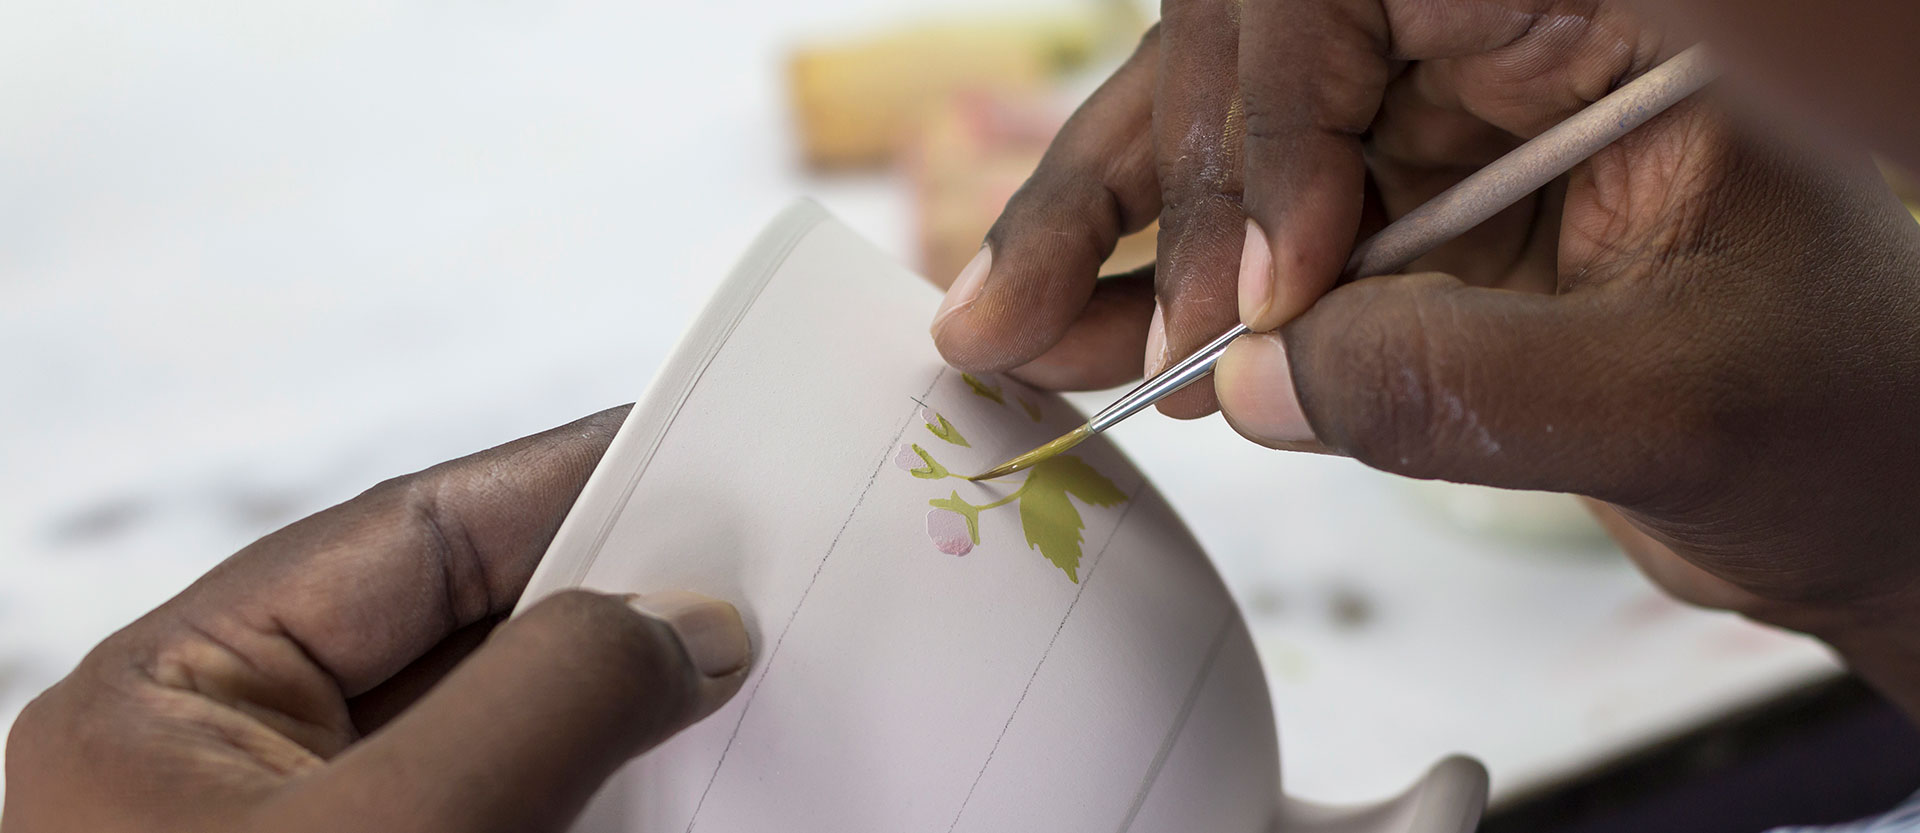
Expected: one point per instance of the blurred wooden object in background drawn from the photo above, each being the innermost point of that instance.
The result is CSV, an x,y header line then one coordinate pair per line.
x,y
968,158
858,103
963,108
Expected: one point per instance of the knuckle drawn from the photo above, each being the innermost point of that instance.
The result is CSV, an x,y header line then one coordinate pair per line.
x,y
417,516
1341,101
1201,167
1062,211
397,499
1399,410
1207,207
1265,117
410,506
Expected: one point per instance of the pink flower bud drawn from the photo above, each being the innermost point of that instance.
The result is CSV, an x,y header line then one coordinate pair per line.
x,y
949,532
906,459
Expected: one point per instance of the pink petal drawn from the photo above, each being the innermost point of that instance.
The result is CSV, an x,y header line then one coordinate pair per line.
x,y
949,532
929,416
908,460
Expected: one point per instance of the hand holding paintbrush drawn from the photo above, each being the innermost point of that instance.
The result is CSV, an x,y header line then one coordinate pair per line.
x,y
1710,328
1460,208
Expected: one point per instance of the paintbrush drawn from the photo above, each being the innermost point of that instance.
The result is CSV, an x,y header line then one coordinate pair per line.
x,y
1467,204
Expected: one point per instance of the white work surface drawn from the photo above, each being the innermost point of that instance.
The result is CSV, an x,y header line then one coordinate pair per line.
x,y
257,256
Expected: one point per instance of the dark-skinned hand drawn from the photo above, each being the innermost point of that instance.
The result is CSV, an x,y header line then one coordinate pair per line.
x,y
1709,330
346,673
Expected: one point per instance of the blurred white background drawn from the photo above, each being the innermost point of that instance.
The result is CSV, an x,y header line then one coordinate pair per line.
x,y
256,256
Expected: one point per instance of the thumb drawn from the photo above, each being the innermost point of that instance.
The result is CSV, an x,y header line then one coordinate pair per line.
x,y
521,733
1424,376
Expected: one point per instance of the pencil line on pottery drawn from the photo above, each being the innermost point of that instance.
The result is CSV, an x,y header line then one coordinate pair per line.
x,y
773,653
1098,556
1179,722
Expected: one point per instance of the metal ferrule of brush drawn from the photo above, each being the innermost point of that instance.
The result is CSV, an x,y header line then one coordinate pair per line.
x,y
1183,373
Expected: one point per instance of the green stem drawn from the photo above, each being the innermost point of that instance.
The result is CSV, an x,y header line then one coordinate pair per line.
x,y
998,503
1005,500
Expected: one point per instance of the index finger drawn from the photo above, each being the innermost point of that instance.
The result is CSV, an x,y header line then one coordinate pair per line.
x,y
1031,302
1312,76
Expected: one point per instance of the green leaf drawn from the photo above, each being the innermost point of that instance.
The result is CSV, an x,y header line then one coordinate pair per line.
x,y
946,431
966,510
1084,481
983,389
1032,409
933,469
1051,523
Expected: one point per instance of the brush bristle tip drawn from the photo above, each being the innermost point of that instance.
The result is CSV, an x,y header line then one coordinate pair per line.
x,y
1034,457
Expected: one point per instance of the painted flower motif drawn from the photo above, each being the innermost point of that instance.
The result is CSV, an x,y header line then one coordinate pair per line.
x,y
919,463
984,389
906,459
948,530
1045,499
941,428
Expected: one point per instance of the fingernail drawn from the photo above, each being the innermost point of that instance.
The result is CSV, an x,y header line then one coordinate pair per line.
x,y
709,629
1256,276
966,287
1255,385
1156,342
